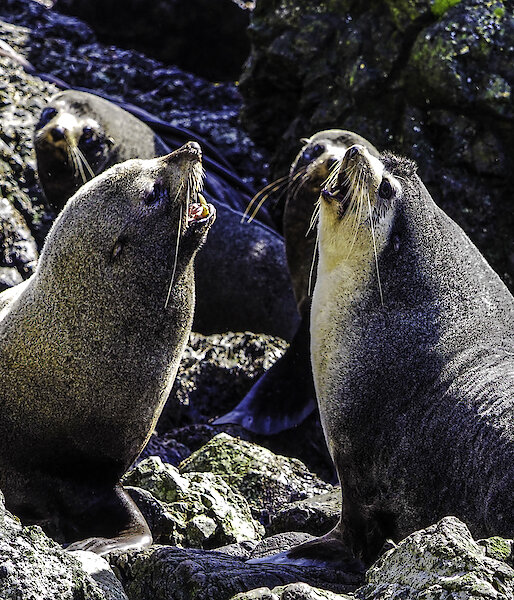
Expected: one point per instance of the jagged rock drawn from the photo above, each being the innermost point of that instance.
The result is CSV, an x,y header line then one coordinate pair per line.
x,y
279,543
197,510
168,573
204,37
266,480
33,567
499,549
215,373
316,515
429,79
442,562
293,591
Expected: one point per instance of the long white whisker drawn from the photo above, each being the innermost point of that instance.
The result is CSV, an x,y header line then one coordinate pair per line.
x,y
375,251
175,261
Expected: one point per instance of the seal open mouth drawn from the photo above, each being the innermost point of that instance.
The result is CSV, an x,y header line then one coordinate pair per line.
x,y
340,185
200,212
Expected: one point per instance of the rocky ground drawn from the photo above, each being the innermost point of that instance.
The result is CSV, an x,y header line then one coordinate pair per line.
x,y
214,497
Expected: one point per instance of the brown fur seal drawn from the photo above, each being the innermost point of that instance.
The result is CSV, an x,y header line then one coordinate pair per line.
x,y
284,396
90,345
413,358
80,134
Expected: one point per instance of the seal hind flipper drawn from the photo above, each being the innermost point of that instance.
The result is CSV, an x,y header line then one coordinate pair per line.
x,y
284,396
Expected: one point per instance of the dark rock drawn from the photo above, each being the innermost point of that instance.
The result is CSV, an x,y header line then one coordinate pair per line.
x,y
439,90
279,543
215,373
205,37
316,515
161,573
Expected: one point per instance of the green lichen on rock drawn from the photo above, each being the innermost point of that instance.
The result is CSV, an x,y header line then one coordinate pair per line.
x,y
498,548
443,562
198,510
292,591
439,7
266,480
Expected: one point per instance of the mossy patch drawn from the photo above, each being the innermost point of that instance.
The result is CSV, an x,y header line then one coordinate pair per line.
x,y
439,7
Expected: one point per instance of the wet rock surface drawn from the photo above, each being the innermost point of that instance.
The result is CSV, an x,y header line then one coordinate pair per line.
x,y
204,37
430,80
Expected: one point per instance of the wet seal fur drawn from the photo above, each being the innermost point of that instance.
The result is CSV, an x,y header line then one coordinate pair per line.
x,y
284,396
80,134
90,346
413,363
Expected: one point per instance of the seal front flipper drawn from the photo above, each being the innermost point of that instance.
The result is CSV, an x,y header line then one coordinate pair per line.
x,y
284,396
120,521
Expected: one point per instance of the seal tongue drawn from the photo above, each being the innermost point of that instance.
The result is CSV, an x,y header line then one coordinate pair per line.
x,y
198,210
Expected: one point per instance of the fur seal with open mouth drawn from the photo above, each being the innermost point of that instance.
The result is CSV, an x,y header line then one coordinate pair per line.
x,y
90,346
80,134
413,360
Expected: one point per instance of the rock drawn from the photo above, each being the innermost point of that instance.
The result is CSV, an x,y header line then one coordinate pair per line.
x,y
204,37
439,91
443,562
160,573
266,480
316,515
282,542
196,510
33,567
499,549
293,591
215,373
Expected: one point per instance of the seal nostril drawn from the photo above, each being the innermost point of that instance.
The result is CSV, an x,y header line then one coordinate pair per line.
x,y
353,151
57,134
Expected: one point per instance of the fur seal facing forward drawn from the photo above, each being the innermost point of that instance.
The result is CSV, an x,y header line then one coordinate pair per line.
x,y
413,361
284,396
90,345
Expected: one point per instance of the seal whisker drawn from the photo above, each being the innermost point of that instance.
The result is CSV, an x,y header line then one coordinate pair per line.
x,y
313,262
375,250
261,196
179,233
81,156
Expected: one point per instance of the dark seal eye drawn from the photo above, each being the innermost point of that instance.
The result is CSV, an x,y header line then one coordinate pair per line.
x,y
311,153
87,134
155,194
46,116
385,190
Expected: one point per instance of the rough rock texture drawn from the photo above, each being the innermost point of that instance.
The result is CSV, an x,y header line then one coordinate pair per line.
x,y
430,79
196,510
267,481
293,591
443,562
316,515
205,37
167,573
215,373
33,567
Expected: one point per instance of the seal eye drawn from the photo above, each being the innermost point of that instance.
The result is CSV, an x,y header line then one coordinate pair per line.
x,y
155,194
311,153
385,191
87,134
46,116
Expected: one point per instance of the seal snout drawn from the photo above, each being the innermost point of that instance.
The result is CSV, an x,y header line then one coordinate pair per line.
x,y
191,151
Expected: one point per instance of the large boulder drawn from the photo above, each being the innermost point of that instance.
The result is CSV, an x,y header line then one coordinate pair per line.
x,y
429,79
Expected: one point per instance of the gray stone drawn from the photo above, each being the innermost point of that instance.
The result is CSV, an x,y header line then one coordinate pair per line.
x,y
441,562
198,510
281,542
293,591
266,480
168,573
33,567
316,515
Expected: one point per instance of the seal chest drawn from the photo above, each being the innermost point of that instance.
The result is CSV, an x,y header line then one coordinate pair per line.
x,y
413,354
100,327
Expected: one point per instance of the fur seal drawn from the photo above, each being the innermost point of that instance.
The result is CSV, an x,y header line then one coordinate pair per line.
x,y
90,345
284,396
249,261
413,360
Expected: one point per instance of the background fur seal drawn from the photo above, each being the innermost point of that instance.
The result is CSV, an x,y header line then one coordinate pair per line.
x,y
90,345
284,396
413,367
242,280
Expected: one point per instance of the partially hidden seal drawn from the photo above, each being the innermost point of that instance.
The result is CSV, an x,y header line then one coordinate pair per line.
x,y
242,279
413,360
90,345
284,396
